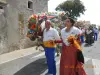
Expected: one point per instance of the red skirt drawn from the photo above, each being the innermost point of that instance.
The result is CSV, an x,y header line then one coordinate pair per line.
x,y
68,63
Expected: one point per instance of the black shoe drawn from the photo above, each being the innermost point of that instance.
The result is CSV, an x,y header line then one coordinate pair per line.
x,y
58,54
91,45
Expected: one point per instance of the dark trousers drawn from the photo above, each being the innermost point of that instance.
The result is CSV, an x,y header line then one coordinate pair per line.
x,y
50,56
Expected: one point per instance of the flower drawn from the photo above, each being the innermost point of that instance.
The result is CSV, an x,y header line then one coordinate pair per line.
x,y
73,40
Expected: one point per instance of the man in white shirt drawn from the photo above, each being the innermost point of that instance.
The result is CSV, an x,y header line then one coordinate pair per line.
x,y
49,36
82,35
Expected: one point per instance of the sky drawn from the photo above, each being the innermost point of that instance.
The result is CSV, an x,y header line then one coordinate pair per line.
x,y
91,14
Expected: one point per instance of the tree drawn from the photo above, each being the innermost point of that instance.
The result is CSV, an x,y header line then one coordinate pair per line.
x,y
74,7
94,25
99,28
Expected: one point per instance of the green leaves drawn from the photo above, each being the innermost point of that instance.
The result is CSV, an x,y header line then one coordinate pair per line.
x,y
74,7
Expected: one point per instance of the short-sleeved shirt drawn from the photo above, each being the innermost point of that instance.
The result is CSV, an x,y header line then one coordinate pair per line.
x,y
64,35
51,34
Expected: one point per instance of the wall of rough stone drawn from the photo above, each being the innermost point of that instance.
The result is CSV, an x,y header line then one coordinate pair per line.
x,y
13,23
3,32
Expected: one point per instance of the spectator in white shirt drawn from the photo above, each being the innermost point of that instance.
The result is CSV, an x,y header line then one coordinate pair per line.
x,y
82,36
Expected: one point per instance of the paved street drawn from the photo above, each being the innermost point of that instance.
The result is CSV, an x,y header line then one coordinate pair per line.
x,y
32,62
38,66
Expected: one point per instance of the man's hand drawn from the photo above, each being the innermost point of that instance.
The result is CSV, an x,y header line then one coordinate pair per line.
x,y
51,41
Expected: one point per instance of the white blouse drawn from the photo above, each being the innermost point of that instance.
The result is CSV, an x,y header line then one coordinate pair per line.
x,y
73,31
51,34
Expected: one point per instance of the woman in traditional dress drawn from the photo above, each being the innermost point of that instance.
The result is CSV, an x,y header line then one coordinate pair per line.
x,y
89,36
70,63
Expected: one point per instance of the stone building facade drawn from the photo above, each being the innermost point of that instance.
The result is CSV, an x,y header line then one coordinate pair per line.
x,y
13,22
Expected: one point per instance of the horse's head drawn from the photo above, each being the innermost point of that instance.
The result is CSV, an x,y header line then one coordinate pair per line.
x,y
35,28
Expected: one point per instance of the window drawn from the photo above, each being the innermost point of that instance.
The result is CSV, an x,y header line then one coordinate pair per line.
x,y
1,10
30,4
1,7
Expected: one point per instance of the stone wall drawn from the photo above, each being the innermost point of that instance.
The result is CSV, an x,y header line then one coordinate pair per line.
x,y
14,23
3,32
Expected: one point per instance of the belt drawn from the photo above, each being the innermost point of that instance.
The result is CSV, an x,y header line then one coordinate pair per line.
x,y
49,44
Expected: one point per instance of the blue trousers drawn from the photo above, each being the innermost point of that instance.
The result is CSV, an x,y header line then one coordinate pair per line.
x,y
50,56
82,38
95,36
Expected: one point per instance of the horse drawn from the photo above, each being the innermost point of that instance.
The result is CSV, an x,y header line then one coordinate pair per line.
x,y
38,34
